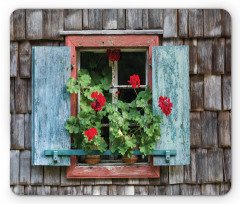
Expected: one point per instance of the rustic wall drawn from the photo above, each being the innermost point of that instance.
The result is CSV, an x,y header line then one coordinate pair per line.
x,y
207,32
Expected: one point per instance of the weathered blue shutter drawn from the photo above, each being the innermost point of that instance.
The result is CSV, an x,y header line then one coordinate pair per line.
x,y
51,67
170,78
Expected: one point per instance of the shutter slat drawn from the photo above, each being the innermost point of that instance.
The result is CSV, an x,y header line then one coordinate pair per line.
x,y
170,78
51,67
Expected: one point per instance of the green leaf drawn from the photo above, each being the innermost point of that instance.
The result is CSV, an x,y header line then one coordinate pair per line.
x,y
84,80
72,85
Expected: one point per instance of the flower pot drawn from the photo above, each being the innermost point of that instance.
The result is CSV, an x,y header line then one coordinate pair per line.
x,y
131,160
92,159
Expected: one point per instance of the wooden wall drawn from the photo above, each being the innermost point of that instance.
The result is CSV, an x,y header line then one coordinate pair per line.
x,y
207,32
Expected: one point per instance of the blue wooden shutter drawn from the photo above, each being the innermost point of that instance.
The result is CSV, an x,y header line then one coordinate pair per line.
x,y
51,68
170,78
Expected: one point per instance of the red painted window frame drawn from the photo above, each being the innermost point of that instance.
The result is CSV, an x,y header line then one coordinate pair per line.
x,y
100,41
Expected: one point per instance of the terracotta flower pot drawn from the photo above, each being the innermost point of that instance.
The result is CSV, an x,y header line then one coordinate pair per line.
x,y
131,160
92,159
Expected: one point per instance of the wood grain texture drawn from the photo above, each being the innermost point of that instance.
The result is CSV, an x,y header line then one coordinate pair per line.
x,y
12,96
224,188
11,27
212,23
218,56
36,175
228,58
134,19
51,66
226,91
204,57
201,166
227,165
25,164
87,190
18,189
112,190
215,165
85,19
34,24
155,18
52,175
190,170
185,189
145,18
110,19
224,133
72,19
95,19
20,95
183,23
195,129
17,131
170,71
195,23
141,190
226,23
170,23
13,59
25,59
212,92
209,129
103,181
172,189
176,174
19,24
27,131
14,167
164,175
197,82
29,98
121,19
196,190
88,182
67,182
210,189
193,52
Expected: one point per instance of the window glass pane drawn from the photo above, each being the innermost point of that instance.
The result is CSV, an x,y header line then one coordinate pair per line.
x,y
131,63
128,95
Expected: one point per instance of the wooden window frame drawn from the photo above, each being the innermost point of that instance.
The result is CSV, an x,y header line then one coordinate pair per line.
x,y
103,41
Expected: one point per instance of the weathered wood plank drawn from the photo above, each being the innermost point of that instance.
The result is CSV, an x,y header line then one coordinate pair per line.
x,y
72,19
185,189
18,190
196,190
190,170
25,59
77,190
204,57
25,158
201,166
52,23
212,92
20,95
29,90
197,92
19,24
65,181
121,19
129,190
27,131
14,167
66,190
13,59
170,71
170,23
176,174
133,19
51,66
141,190
54,190
105,181
210,189
173,190
224,188
155,18
227,165
228,59
95,19
226,91
104,190
195,129
224,133
154,181
88,182
36,175
96,190
110,19
215,165
157,190
145,18
183,23
218,56
12,96
17,131
209,129
212,23
226,23
51,175
119,181
85,19
87,190
11,27
112,190
195,23
193,50
34,24
164,175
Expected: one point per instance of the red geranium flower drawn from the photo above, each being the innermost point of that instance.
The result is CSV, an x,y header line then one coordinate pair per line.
x,y
117,92
91,133
134,81
99,101
165,105
113,55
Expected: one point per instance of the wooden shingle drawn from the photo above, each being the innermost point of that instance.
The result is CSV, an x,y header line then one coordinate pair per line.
x,y
19,25
173,189
25,59
196,190
85,19
228,59
204,57
226,91
14,167
197,83
112,190
133,19
227,165
183,23
65,181
224,188
95,19
195,129
27,131
29,100
201,166
226,23
210,189
13,59
12,96
164,175
34,24
87,181
185,189
121,19
25,160
11,27
110,19
193,52
212,23
176,174
54,190
72,19
141,190
51,175
145,19
218,56
17,131
87,190
36,175
224,129
155,18
170,23
20,95
190,170
195,23
18,190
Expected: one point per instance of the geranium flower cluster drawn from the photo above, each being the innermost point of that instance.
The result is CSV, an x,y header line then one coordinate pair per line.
x,y
99,101
91,133
113,55
165,105
134,81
